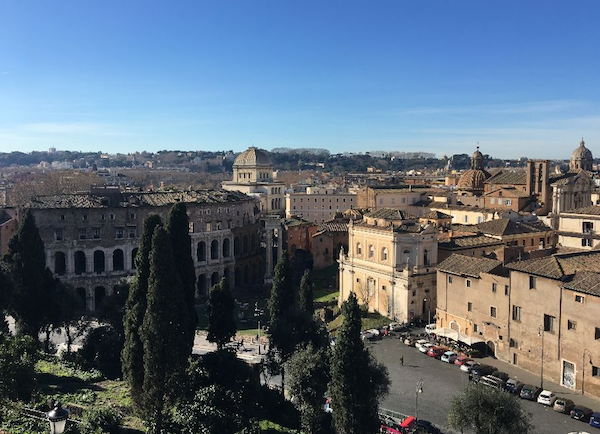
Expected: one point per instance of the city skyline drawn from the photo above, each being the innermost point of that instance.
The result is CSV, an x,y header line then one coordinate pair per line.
x,y
345,76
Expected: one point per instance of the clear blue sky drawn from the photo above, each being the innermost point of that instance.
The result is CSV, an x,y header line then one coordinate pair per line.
x,y
520,77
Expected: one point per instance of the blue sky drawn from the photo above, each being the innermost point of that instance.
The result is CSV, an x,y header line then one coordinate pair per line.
x,y
520,77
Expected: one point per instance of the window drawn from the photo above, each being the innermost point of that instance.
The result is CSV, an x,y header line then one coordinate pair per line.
x,y
132,233
595,371
492,311
383,287
371,251
549,322
119,232
492,201
414,293
96,233
597,333
82,234
532,282
102,217
111,216
587,227
586,242
571,325
358,249
513,343
468,283
384,254
475,328
579,298
516,313
466,219
449,279
494,287
469,306
63,217
58,235
506,290
84,217
508,201
357,280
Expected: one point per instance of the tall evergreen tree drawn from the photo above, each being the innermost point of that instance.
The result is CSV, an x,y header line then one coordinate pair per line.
x,y
163,333
281,305
178,227
26,260
357,380
306,294
132,357
221,323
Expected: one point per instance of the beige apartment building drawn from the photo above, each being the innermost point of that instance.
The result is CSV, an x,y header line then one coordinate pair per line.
x,y
539,314
318,204
390,265
580,228
401,198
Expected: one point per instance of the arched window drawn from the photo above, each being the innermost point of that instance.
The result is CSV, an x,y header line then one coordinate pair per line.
x,y
214,249
133,256
358,249
246,246
118,260
201,251
226,248
80,262
426,257
406,257
236,246
371,251
99,296
214,279
99,262
384,254
60,263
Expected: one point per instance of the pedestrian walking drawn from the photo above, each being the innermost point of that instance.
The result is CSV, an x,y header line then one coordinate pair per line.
x,y
401,360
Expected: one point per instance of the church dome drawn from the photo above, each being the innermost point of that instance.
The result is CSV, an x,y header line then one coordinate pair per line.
x,y
252,157
581,158
472,180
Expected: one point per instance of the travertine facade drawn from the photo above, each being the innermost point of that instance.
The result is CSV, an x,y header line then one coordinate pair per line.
x,y
318,205
580,228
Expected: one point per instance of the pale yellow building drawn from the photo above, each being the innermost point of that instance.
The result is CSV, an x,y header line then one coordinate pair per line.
x,y
318,204
390,265
580,228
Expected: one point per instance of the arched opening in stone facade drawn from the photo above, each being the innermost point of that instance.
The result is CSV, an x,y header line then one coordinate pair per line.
x,y
133,255
80,262
99,262
118,260
491,349
227,278
60,263
426,257
246,246
201,251
358,249
214,279
214,249
82,296
226,247
384,254
236,246
406,257
99,296
202,284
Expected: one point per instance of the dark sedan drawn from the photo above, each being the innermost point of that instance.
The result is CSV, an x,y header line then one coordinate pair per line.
x,y
581,413
530,392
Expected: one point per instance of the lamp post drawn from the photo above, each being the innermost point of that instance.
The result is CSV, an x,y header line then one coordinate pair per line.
x,y
583,369
57,418
541,333
425,300
418,391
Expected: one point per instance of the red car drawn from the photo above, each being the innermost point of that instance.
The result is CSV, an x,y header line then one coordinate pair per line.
x,y
436,352
462,360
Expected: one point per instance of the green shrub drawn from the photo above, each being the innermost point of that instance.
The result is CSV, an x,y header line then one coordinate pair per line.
x,y
104,420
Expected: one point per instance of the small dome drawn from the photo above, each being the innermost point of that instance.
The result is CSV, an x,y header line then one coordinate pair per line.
x,y
472,180
582,152
477,155
253,157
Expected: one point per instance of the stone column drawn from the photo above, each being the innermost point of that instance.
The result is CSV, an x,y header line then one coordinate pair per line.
x,y
279,243
269,252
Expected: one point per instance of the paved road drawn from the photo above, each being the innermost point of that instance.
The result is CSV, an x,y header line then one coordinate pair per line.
x,y
441,382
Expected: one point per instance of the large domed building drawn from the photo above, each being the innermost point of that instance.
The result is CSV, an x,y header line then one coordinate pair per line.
x,y
581,158
471,181
253,175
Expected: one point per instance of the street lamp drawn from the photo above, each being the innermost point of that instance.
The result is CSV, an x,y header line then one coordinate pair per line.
x,y
541,333
57,418
583,369
418,391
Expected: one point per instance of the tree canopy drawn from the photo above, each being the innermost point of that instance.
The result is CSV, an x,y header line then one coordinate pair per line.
x,y
221,322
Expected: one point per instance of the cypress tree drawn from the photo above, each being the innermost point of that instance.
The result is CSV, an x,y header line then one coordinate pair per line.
x,y
306,294
26,260
166,346
178,228
221,323
282,309
132,357
358,381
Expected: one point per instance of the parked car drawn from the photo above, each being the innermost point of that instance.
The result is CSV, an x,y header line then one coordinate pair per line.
x,y
491,381
410,341
427,427
425,347
501,375
514,386
563,405
467,366
481,371
398,327
449,357
579,412
367,335
547,397
530,392
436,352
419,343
595,419
461,360
430,328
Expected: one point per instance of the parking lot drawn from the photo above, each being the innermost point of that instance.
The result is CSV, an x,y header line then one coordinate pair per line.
x,y
442,381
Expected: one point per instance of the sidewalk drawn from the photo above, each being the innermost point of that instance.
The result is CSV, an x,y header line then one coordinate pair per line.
x,y
529,378
247,347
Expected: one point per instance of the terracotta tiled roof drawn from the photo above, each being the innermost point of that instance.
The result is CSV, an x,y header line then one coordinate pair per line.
x,y
333,227
585,281
588,210
508,177
468,266
559,266
390,214
436,215
500,227
470,241
507,192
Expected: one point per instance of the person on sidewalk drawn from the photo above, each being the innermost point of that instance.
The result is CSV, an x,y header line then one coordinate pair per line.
x,y
401,360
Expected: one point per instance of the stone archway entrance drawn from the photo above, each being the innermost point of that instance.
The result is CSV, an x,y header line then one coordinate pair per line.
x,y
491,349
